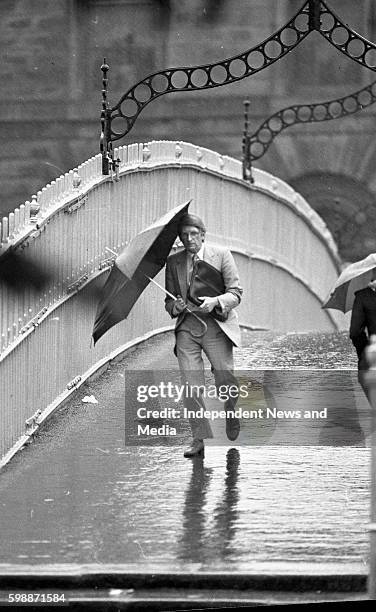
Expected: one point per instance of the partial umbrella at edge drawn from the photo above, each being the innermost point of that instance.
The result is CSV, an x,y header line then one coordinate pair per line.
x,y
145,256
353,278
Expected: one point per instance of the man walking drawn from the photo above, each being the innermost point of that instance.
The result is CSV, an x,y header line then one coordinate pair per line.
x,y
220,336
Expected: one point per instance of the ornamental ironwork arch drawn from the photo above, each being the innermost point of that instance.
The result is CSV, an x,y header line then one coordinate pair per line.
x,y
314,15
256,145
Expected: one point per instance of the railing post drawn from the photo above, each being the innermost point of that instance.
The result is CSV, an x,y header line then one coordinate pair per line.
x,y
246,161
105,121
370,378
34,208
314,22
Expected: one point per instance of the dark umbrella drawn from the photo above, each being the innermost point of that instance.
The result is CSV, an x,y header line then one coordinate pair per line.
x,y
144,257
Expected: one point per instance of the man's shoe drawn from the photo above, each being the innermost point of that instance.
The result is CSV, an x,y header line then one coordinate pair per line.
x,y
196,449
232,428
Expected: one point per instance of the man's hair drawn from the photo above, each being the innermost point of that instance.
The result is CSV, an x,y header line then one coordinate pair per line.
x,y
194,220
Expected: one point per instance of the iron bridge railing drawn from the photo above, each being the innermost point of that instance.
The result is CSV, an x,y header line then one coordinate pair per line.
x,y
315,15
256,145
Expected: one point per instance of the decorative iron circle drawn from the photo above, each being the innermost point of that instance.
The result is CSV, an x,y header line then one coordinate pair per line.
x,y
117,121
347,40
260,141
208,76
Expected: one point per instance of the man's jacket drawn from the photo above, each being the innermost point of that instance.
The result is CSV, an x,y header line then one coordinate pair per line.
x,y
222,260
363,319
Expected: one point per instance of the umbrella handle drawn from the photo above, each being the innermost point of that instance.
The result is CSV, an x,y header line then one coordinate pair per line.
x,y
205,327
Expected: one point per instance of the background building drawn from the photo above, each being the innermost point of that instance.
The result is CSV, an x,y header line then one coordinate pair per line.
x,y
50,99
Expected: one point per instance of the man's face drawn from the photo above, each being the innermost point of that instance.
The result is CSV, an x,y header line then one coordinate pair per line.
x,y
192,238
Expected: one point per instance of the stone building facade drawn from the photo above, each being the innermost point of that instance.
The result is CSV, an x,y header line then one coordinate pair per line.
x,y
50,98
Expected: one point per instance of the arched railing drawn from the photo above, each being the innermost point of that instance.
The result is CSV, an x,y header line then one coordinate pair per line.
x,y
71,228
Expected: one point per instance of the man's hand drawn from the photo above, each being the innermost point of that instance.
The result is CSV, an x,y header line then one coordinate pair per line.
x,y
208,303
179,305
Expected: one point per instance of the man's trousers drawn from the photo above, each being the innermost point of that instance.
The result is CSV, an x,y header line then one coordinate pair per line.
x,y
218,348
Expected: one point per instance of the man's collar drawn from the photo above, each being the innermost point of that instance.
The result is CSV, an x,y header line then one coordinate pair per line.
x,y
200,254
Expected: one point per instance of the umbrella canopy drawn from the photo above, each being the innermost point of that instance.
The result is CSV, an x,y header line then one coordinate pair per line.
x,y
145,256
356,276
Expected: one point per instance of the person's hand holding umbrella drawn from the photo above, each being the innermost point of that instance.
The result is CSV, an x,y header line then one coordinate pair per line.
x,y
179,305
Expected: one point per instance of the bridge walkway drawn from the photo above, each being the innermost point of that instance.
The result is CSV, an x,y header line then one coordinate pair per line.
x,y
79,495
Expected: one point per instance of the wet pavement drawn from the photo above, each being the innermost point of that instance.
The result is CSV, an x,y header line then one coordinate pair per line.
x,y
79,494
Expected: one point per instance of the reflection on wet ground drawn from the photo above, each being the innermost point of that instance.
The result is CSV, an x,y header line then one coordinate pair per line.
x,y
79,495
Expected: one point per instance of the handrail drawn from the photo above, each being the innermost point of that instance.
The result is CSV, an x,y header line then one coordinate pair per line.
x,y
68,190
275,236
